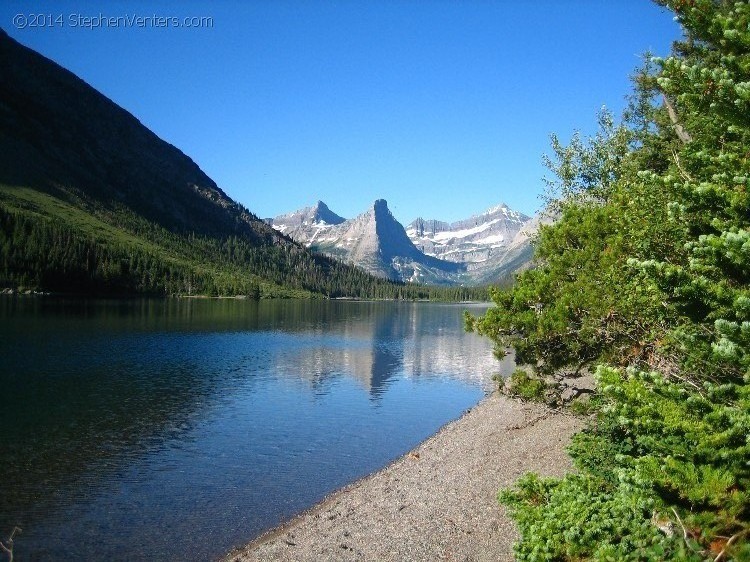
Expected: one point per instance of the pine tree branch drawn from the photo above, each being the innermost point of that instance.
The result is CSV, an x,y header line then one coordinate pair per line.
x,y
682,134
684,530
733,538
682,170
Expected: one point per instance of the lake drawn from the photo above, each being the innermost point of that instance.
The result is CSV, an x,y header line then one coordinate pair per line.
x,y
177,429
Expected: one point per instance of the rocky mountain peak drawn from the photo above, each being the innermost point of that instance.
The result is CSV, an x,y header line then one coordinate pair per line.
x,y
497,208
374,240
428,227
472,250
321,213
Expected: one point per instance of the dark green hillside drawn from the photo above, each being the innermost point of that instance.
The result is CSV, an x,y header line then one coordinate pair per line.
x,y
93,202
60,136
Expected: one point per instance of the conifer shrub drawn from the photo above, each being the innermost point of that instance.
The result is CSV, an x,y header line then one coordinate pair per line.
x,y
662,475
526,387
646,273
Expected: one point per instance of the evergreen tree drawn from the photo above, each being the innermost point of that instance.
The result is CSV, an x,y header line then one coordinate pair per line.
x,y
646,274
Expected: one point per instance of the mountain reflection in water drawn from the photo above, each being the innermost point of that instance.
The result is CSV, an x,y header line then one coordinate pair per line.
x,y
127,425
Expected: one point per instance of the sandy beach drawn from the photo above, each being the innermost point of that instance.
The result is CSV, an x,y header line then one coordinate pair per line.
x,y
436,503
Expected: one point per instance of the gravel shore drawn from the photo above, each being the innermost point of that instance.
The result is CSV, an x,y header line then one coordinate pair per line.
x,y
436,503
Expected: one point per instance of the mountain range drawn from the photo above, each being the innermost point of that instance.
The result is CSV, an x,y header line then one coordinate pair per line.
x,y
484,248
93,202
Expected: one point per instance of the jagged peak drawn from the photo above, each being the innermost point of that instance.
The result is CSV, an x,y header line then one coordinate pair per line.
x,y
502,209
322,212
317,213
496,208
381,211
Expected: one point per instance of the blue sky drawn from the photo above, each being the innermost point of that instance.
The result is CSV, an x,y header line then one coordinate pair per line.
x,y
442,108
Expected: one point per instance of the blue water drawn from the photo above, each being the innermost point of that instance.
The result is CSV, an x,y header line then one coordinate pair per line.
x,y
178,429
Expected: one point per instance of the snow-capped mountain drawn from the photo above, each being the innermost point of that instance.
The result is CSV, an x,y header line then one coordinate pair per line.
x,y
374,240
481,249
477,240
512,258
307,224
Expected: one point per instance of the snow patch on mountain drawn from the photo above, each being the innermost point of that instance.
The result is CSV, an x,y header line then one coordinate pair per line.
x,y
465,233
478,239
374,240
480,249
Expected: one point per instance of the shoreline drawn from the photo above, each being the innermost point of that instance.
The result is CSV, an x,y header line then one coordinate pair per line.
x,y
437,502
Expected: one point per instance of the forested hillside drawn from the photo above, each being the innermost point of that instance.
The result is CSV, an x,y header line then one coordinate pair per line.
x,y
92,202
645,278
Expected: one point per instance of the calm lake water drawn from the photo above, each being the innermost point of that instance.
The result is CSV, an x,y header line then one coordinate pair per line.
x,y
177,429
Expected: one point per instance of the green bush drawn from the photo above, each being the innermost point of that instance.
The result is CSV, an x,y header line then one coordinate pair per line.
x,y
524,386
662,475
584,406
646,272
